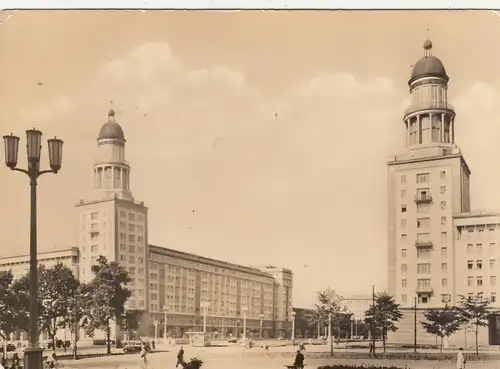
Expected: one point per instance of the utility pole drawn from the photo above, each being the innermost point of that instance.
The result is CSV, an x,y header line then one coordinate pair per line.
x,y
373,319
415,326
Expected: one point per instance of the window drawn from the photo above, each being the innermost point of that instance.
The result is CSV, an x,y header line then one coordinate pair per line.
x,y
403,208
403,178
131,259
403,237
131,238
492,247
445,298
94,215
123,236
493,280
479,281
479,264
404,268
403,194
131,227
122,257
403,297
403,253
493,297
123,247
403,223
479,248
423,222
443,220
123,214
423,208
131,248
444,251
443,190
442,175
492,263
423,299
131,216
443,205
470,264
423,253
423,178
423,268
94,248
404,283
94,236
444,267
470,281
444,282
469,248
444,236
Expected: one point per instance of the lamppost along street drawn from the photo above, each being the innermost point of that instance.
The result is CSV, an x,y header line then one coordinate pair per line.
x,y
33,353
204,306
156,322
165,310
244,309
330,332
293,325
261,323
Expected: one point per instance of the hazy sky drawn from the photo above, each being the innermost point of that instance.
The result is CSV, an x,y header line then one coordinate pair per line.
x,y
274,126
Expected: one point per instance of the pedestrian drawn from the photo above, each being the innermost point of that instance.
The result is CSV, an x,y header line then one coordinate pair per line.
x,y
180,358
51,360
299,360
266,347
371,348
461,360
144,353
153,345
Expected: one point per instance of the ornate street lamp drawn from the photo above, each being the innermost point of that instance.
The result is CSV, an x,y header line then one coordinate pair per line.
x,y
261,323
244,309
204,306
33,353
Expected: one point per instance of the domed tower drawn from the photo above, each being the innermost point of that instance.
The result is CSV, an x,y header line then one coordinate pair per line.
x,y
430,119
111,171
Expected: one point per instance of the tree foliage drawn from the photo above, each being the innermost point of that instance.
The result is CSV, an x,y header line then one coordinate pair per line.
x,y
329,305
384,315
109,294
12,313
475,310
56,288
442,322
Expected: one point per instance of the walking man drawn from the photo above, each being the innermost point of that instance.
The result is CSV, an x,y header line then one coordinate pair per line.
x,y
180,357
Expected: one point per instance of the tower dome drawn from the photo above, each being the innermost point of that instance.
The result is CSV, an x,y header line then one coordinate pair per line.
x,y
428,66
111,130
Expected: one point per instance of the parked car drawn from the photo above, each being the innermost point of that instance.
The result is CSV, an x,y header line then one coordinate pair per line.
x,y
135,346
232,340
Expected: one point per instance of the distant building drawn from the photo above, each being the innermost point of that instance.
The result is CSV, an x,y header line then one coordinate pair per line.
x,y
113,224
357,305
437,249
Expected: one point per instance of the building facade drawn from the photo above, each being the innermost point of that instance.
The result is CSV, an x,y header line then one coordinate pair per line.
x,y
429,262
357,305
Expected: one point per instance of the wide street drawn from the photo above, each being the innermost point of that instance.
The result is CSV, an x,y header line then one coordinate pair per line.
x,y
237,357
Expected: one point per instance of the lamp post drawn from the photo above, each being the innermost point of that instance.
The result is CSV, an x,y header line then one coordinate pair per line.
x,y
33,353
156,329
165,311
415,326
204,305
244,309
330,332
261,323
293,325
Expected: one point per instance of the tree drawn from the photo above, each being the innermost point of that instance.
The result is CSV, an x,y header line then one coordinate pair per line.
x,y
442,322
131,320
12,314
109,294
384,315
475,310
56,288
329,304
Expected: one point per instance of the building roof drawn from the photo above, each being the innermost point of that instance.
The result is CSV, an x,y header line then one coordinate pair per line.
x,y
428,66
111,130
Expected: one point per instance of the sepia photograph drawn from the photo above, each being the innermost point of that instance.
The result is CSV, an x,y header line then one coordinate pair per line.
x,y
249,189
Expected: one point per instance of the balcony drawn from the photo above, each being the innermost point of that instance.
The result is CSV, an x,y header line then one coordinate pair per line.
x,y
424,290
423,199
424,243
439,105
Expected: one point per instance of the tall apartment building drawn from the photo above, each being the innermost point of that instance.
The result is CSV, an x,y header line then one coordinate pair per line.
x,y
112,223
429,211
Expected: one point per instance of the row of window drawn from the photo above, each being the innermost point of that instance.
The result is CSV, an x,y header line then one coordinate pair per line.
x,y
446,298
131,216
424,177
421,222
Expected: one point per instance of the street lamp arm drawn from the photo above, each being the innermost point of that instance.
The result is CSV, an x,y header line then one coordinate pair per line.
x,y
21,170
46,171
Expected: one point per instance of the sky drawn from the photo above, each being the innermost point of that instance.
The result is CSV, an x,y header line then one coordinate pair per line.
x,y
275,127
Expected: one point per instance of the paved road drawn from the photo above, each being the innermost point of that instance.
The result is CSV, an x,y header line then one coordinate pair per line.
x,y
231,359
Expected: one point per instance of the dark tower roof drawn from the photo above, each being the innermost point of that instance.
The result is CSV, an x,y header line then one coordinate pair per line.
x,y
111,129
428,66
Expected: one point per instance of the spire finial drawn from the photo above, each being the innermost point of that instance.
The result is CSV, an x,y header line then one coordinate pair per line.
x,y
427,45
111,112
